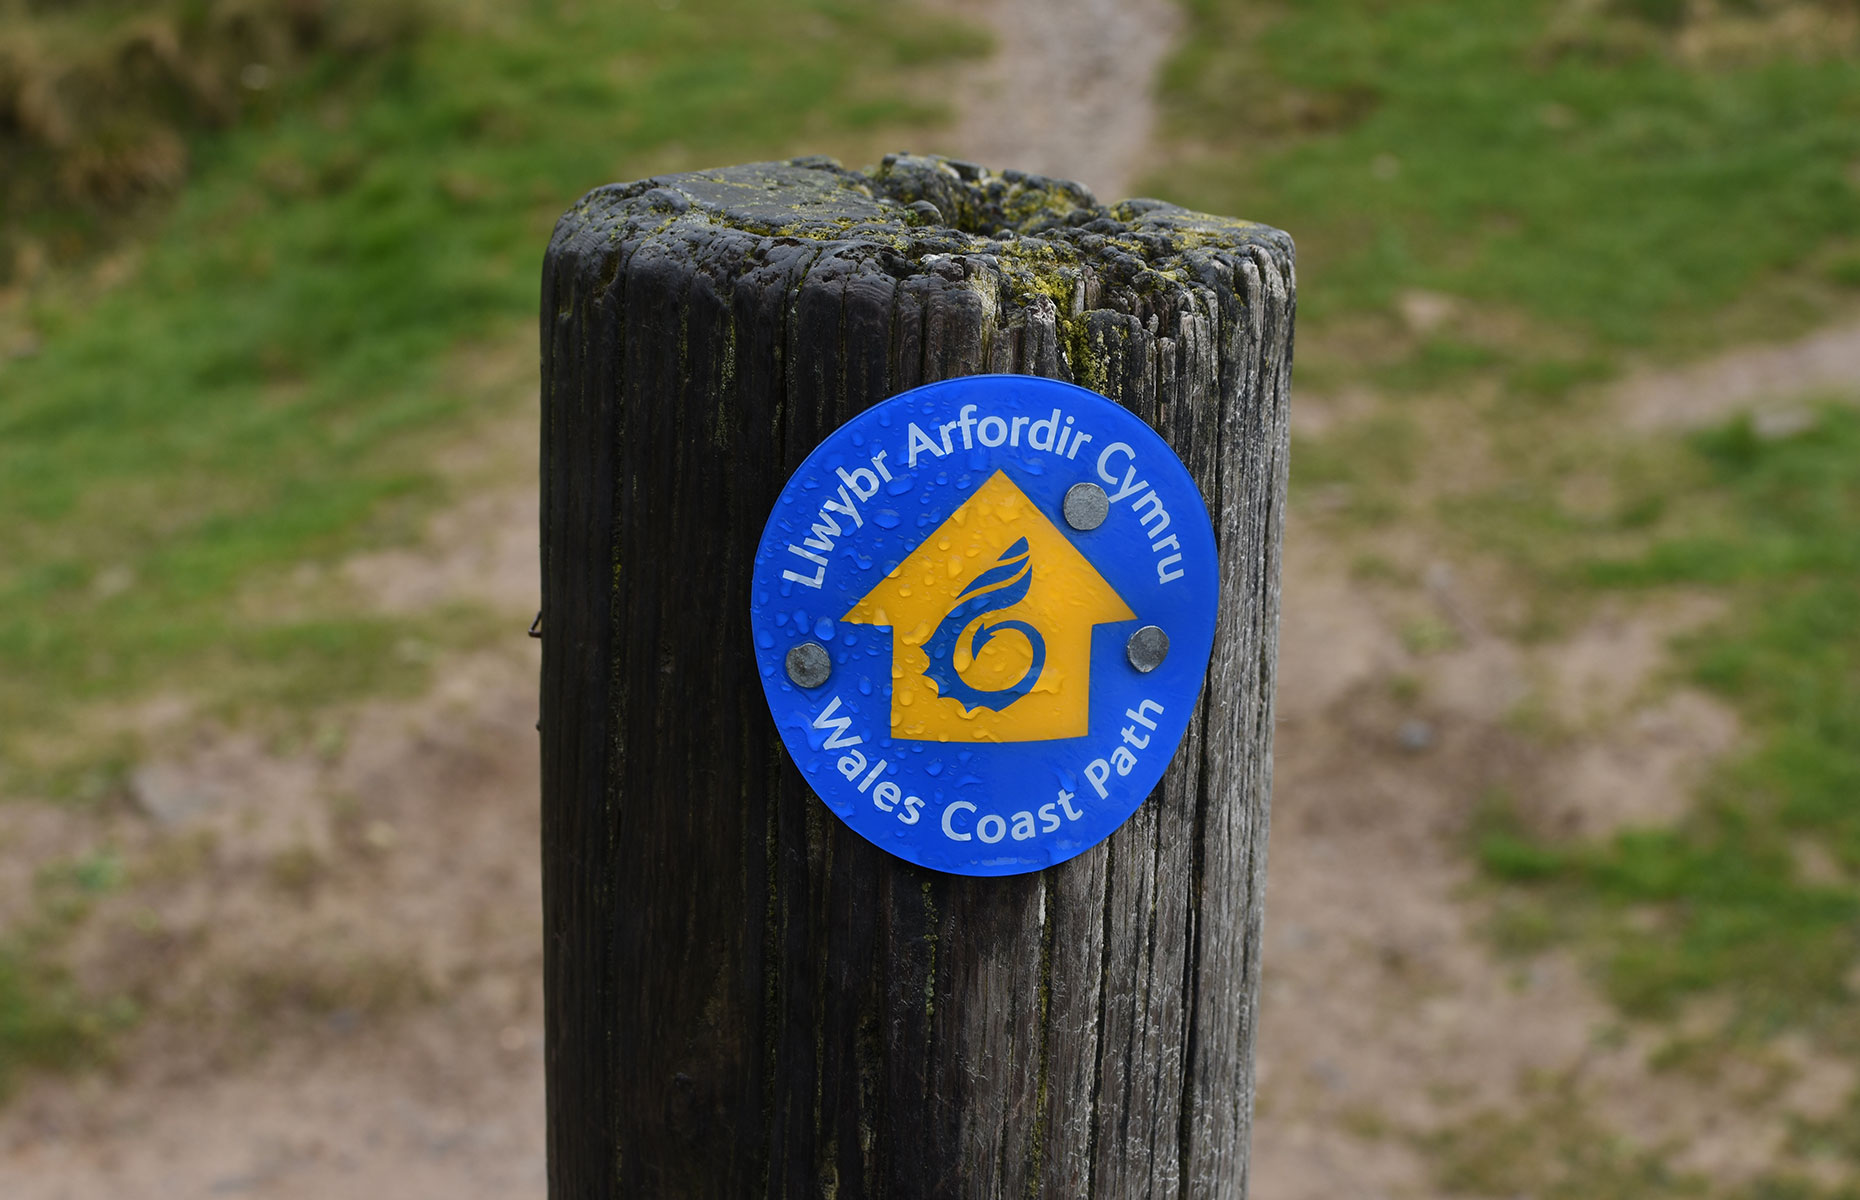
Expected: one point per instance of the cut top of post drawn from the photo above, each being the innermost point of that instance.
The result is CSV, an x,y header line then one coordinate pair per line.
x,y
1043,249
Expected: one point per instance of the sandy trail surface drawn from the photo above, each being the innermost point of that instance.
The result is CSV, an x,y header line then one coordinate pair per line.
x,y
1069,90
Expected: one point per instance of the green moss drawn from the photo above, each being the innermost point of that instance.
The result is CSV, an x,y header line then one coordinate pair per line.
x,y
1085,353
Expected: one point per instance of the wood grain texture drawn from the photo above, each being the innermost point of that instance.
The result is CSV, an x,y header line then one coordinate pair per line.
x,y
744,997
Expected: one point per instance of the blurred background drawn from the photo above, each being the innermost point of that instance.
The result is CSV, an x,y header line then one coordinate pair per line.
x,y
1564,893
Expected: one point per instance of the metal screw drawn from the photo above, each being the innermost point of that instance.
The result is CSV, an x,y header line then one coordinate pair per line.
x,y
1086,506
809,664
1147,648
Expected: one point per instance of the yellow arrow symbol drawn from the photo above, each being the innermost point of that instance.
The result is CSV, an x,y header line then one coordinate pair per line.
x,y
1065,597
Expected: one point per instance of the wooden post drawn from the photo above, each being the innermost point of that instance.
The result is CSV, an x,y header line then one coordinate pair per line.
x,y
744,997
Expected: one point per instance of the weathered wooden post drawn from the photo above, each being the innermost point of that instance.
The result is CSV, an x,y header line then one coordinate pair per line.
x,y
744,997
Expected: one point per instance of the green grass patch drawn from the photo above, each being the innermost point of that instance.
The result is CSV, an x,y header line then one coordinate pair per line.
x,y
258,391
1778,524
98,99
37,1028
1723,901
45,1022
1582,171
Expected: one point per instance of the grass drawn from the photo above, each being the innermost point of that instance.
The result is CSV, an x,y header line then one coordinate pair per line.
x,y
1578,170
1722,902
99,97
254,371
251,396
1556,1150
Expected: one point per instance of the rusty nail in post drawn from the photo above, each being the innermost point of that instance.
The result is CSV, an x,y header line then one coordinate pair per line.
x,y
1147,648
536,625
809,664
1086,506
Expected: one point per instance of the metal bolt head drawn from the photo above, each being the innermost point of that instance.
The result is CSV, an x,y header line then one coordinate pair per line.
x,y
809,664
1147,648
1086,506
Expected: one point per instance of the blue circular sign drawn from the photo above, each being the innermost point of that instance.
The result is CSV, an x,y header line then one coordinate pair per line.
x,y
983,610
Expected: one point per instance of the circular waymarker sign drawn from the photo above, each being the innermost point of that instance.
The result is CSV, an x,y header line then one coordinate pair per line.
x,y
982,611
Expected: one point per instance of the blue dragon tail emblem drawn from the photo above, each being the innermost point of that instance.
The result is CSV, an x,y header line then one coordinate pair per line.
x,y
1000,586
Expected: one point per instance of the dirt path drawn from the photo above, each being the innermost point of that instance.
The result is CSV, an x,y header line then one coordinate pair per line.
x,y
1771,381
1386,1019
438,1107
1068,91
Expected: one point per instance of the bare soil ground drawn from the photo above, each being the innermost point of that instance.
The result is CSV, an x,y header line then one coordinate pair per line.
x,y
1068,89
1385,1016
338,945
1767,381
